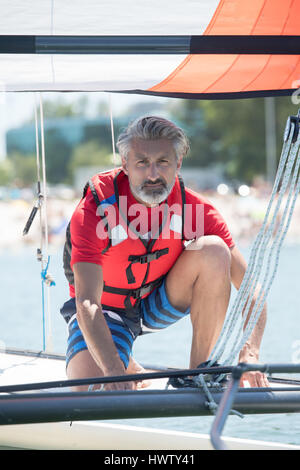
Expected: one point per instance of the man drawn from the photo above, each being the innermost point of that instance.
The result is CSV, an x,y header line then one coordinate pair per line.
x,y
142,251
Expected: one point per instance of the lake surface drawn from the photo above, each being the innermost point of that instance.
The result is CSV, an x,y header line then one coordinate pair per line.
x,y
22,327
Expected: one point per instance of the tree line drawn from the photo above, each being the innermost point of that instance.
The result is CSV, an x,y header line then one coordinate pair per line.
x,y
231,133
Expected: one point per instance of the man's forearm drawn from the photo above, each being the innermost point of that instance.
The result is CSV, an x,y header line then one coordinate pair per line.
x,y
98,338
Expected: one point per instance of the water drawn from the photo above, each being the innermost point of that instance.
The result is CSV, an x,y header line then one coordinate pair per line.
x,y
21,327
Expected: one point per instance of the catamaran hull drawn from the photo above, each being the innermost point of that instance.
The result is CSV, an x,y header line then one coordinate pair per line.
x,y
113,437
61,420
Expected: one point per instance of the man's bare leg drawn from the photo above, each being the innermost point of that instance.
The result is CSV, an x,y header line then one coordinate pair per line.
x,y
83,366
201,279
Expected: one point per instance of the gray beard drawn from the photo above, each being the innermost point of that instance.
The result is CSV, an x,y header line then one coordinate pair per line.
x,y
155,196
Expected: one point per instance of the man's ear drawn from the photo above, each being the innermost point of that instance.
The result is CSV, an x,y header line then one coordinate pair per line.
x,y
179,163
124,165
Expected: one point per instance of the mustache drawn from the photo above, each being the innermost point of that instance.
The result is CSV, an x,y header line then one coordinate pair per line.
x,y
159,181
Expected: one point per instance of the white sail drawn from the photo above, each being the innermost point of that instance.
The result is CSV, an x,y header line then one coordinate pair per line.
x,y
20,72
43,47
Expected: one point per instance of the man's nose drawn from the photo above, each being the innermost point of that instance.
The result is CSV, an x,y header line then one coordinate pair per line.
x,y
153,172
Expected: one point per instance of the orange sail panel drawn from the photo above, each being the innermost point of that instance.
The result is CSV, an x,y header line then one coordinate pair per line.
x,y
241,75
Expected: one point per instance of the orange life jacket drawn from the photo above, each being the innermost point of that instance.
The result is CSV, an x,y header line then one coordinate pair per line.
x,y
132,265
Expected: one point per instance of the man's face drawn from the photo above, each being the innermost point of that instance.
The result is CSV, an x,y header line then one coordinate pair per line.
x,y
151,168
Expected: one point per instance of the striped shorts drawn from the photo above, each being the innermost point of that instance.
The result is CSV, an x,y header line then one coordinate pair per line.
x,y
156,313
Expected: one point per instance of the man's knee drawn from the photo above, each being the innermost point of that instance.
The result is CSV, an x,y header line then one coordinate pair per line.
x,y
210,253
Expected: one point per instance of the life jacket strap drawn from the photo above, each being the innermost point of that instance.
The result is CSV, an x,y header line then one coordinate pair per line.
x,y
147,257
132,311
134,293
143,259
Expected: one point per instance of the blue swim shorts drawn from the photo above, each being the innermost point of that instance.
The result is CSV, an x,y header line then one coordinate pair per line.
x,y
155,313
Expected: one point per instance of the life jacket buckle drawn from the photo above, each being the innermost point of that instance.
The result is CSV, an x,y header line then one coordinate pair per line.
x,y
148,257
145,258
138,293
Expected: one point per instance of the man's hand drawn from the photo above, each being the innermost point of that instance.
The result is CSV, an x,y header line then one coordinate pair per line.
x,y
117,386
133,368
254,379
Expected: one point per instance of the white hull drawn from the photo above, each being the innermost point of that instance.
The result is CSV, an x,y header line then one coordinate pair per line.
x,y
87,435
106,436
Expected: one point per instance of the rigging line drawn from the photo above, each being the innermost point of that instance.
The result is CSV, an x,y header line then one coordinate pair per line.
x,y
245,286
112,130
39,193
45,277
37,142
52,18
281,231
44,175
120,378
259,304
268,368
251,323
295,187
257,309
247,298
40,201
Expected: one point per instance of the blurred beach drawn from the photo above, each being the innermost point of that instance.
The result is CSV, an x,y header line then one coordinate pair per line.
x,y
243,214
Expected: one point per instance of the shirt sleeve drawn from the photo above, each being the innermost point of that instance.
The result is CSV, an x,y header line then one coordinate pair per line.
x,y
202,218
87,240
214,224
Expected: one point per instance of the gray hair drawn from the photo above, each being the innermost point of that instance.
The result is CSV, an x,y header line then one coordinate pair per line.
x,y
153,128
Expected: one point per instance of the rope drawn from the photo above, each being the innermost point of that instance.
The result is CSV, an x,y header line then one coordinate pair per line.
x,y
112,131
277,244
46,277
44,258
288,169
